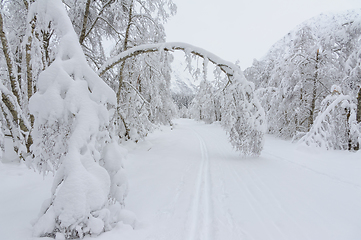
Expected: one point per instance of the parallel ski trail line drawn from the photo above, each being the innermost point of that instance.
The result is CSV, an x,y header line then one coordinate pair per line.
x,y
194,186
201,221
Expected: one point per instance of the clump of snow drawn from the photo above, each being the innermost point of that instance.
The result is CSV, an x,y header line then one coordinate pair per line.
x,y
129,218
335,89
113,156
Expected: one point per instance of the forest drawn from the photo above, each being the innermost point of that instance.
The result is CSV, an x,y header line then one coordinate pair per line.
x,y
80,78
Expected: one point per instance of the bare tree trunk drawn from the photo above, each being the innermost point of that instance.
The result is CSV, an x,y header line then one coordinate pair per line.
x,y
358,114
29,68
85,21
9,63
125,47
46,42
17,120
16,117
121,71
314,94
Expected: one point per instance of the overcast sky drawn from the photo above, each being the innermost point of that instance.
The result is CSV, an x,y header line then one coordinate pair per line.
x,y
243,30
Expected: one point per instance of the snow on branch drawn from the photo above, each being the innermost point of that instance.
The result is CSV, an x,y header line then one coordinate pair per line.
x,y
335,126
227,67
244,117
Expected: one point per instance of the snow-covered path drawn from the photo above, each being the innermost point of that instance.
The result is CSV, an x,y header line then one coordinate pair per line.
x,y
189,184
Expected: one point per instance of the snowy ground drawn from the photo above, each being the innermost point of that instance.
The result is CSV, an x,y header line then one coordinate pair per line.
x,y
188,183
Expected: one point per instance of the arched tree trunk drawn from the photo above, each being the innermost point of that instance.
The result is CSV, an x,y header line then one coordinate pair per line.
x,y
246,134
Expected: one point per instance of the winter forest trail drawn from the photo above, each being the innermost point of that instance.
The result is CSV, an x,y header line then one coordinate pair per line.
x,y
189,184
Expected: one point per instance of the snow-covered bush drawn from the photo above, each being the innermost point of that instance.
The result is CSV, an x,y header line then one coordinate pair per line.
x,y
335,126
72,109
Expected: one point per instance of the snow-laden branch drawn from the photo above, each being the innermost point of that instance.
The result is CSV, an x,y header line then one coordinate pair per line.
x,y
242,115
335,126
227,67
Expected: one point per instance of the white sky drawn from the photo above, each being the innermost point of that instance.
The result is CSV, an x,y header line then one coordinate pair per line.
x,y
243,30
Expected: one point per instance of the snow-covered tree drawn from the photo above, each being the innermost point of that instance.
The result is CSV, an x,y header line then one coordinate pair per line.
x,y
72,109
142,82
203,105
302,67
13,101
246,109
29,47
335,126
65,119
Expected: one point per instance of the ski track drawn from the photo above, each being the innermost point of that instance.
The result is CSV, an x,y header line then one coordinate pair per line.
x,y
193,186
217,195
200,221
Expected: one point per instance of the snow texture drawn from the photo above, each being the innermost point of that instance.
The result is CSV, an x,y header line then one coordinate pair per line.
x,y
188,183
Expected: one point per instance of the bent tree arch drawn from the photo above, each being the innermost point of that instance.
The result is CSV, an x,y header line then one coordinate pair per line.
x,y
243,116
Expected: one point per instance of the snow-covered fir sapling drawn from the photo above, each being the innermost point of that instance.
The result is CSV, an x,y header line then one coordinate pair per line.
x,y
72,108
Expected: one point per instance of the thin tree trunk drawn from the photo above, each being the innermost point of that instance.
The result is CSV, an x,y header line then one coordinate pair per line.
x,y
85,22
9,63
358,114
18,121
314,94
29,74
120,80
125,47
121,71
